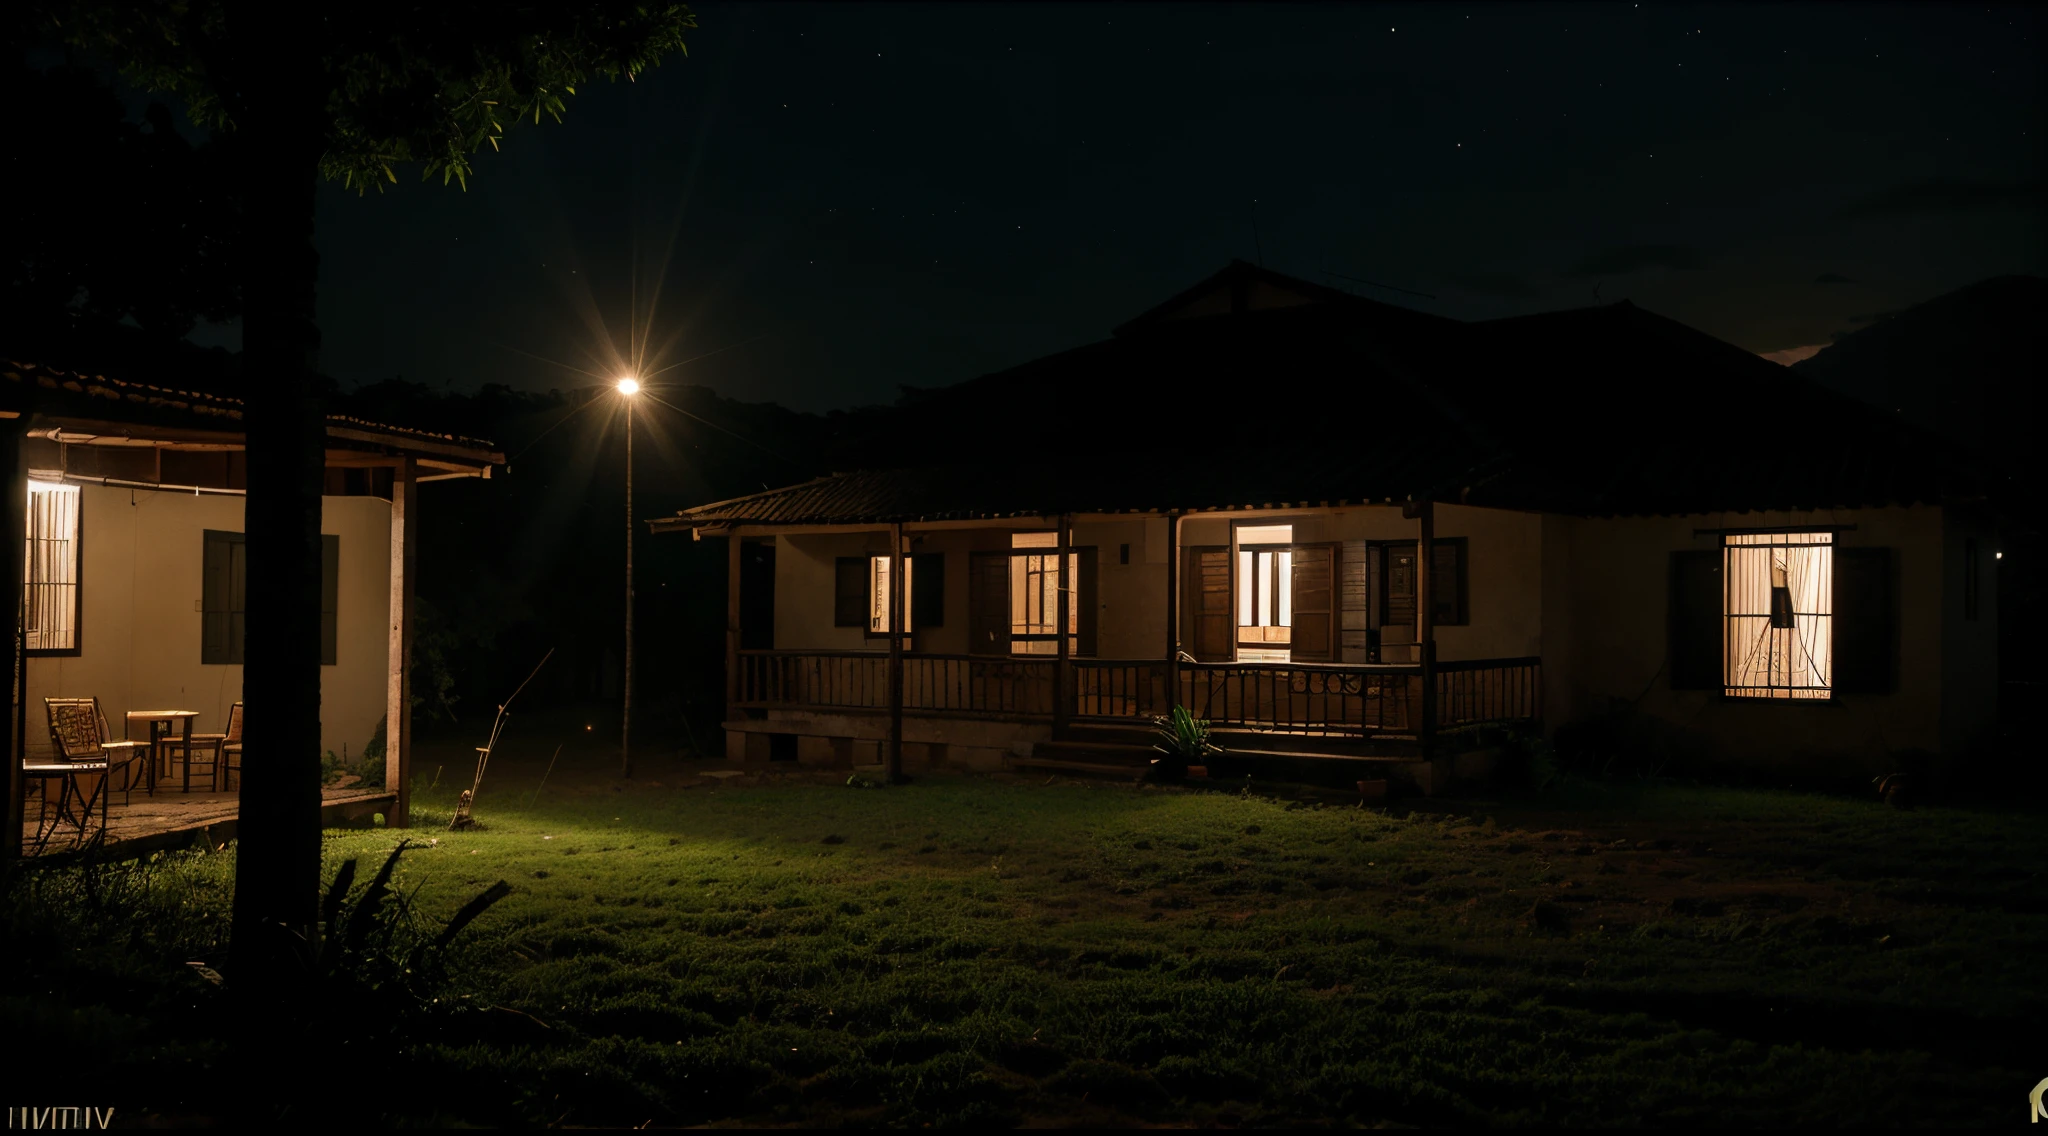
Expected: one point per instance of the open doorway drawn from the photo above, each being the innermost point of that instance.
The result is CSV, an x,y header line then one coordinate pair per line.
x,y
1265,593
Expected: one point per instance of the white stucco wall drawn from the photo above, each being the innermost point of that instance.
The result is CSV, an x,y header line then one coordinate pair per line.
x,y
141,559
1611,599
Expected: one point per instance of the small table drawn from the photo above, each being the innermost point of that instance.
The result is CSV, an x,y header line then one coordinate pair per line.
x,y
162,724
66,774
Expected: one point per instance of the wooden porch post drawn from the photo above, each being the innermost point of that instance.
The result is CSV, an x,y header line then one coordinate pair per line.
x,y
1425,625
14,518
1061,661
732,625
405,491
1172,610
895,755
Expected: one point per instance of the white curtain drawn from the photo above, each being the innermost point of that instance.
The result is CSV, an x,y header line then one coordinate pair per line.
x,y
1763,661
50,574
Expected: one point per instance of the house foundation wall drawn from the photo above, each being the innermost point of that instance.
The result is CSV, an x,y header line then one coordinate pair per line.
x,y
842,741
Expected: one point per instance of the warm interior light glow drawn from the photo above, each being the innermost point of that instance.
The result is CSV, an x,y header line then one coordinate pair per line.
x,y
629,385
1778,615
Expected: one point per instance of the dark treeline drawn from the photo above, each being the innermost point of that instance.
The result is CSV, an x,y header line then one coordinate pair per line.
x,y
534,558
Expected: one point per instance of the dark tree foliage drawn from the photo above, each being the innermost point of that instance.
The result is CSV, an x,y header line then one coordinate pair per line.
x,y
304,92
117,227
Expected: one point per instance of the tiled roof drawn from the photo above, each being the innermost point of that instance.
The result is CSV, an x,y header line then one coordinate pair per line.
x,y
103,395
1596,411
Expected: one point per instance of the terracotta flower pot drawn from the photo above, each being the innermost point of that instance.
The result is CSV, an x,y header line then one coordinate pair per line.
x,y
1198,771
1372,792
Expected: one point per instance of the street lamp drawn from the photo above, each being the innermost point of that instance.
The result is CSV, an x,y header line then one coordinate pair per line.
x,y
628,387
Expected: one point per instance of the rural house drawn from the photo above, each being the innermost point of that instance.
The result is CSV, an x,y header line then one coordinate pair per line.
x,y
135,574
1336,527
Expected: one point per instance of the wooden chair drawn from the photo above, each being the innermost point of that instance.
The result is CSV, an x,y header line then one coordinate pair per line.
x,y
227,749
79,732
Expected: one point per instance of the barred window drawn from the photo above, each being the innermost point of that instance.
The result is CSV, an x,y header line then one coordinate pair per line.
x,y
1778,637
50,574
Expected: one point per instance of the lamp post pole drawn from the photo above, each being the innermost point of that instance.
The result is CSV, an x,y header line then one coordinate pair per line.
x,y
629,388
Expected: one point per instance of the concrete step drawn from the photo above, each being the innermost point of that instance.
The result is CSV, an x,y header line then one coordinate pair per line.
x,y
1094,768
1305,755
1106,753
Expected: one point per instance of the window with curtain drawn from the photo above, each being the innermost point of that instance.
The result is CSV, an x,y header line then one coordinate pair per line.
x,y
879,593
1778,615
50,573
1035,595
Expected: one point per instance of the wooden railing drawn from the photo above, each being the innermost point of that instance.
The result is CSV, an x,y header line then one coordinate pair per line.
x,y
1305,698
970,685
1316,699
1485,692
1119,688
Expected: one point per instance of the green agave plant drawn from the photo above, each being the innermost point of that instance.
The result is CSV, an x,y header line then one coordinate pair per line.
x,y
1183,741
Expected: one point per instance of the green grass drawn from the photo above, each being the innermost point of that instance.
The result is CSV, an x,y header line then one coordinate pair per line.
x,y
974,950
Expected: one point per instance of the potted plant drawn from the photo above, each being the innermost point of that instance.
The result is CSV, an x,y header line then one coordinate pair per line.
x,y
1183,744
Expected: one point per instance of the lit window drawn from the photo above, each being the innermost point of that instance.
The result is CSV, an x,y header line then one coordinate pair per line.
x,y
50,572
878,592
1035,595
1778,637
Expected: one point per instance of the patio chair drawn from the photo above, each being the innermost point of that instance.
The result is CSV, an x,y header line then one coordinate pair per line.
x,y
79,732
217,746
227,749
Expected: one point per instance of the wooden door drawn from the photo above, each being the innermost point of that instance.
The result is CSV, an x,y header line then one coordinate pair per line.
x,y
1207,595
1314,616
757,596
1398,605
988,603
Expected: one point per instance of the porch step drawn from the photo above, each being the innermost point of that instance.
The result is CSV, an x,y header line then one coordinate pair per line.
x,y
1059,765
1105,753
1110,734
1302,755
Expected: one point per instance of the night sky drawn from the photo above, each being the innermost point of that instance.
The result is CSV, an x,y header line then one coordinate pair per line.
x,y
841,199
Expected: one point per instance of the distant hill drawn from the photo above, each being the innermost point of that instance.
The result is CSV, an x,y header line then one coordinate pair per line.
x,y
1967,365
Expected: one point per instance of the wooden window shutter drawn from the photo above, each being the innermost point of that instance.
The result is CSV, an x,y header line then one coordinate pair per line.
x,y
850,592
1210,610
988,603
216,581
330,598
1864,621
1694,636
1447,581
928,589
1354,606
1085,595
1312,638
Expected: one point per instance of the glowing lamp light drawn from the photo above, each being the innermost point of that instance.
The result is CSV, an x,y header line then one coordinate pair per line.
x,y
629,385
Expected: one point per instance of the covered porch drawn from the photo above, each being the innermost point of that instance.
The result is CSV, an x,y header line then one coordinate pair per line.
x,y
128,503
1323,657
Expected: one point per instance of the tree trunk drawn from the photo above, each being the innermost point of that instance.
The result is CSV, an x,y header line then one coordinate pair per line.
x,y
277,862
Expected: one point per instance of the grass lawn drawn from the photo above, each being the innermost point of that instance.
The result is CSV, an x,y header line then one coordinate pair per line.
x,y
687,950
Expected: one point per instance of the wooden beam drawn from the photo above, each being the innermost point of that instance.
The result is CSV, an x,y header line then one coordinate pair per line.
x,y
398,683
1172,610
1425,622
14,521
896,598
1062,664
414,444
732,626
